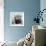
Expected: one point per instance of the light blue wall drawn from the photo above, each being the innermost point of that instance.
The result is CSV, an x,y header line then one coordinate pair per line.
x,y
43,6
29,7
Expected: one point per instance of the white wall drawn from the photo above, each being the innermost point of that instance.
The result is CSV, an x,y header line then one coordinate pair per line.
x,y
1,21
43,6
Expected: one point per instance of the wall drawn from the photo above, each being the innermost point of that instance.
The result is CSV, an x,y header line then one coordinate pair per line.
x,y
43,6
29,7
1,20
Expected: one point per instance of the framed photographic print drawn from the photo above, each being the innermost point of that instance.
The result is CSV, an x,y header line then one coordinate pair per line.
x,y
16,18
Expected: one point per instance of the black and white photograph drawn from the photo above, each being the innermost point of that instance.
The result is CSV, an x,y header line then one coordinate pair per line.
x,y
17,18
